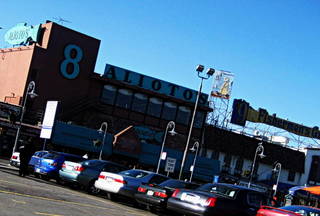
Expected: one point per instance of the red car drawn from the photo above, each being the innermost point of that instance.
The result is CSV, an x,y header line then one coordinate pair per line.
x,y
294,210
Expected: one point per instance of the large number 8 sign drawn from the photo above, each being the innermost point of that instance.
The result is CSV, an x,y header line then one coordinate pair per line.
x,y
71,60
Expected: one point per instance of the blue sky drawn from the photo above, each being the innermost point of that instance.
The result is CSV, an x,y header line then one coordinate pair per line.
x,y
272,46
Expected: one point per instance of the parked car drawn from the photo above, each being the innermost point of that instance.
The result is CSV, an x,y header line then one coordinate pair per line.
x,y
35,159
15,159
155,196
217,199
85,173
294,210
49,165
126,182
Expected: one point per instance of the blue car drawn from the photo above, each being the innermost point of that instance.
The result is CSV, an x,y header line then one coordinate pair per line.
x,y
49,165
35,159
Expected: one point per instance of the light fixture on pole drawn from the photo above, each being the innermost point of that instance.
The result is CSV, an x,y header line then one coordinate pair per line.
x,y
260,149
171,125
209,73
105,125
277,168
195,147
29,92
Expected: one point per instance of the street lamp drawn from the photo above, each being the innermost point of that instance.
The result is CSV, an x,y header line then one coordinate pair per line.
x,y
32,94
209,73
260,149
105,125
277,168
171,125
195,147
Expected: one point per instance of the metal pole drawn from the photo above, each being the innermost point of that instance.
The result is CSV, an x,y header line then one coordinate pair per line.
x,y
259,148
190,130
194,160
278,168
31,87
104,137
170,124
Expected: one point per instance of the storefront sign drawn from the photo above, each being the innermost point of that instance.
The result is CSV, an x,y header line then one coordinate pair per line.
x,y
153,84
243,112
21,34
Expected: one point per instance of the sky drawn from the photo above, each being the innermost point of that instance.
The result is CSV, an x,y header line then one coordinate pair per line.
x,y
272,47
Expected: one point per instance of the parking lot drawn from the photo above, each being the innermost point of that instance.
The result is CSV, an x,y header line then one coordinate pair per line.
x,y
31,196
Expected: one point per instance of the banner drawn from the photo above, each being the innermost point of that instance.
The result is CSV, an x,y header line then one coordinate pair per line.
x,y
222,84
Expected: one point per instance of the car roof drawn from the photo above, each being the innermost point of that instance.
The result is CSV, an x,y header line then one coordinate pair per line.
x,y
236,187
147,171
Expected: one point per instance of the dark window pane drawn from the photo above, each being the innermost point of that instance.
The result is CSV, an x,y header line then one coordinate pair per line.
x,y
169,111
154,107
198,120
124,98
183,115
139,103
108,94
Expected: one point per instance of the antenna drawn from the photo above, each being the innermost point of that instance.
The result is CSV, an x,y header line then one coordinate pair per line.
x,y
61,20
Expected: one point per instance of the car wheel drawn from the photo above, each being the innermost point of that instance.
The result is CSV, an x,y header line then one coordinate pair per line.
x,y
91,189
46,178
111,196
36,175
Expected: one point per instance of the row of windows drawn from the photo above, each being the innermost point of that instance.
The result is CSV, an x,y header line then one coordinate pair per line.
x,y
153,106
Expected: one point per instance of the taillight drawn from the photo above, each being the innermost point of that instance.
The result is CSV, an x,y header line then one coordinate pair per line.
x,y
14,157
64,165
160,194
54,164
78,168
175,193
120,181
142,190
102,176
210,202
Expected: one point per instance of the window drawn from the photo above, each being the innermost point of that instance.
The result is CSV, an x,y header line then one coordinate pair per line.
x,y
239,165
198,120
124,98
157,179
139,103
215,155
291,175
169,111
108,94
183,115
154,107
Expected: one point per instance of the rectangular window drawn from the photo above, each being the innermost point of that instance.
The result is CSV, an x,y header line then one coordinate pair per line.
x,y
291,175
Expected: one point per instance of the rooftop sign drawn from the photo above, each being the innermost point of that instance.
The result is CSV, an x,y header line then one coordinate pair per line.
x,y
243,112
21,34
153,84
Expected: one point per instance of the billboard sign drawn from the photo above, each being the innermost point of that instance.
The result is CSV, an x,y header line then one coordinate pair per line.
x,y
242,112
222,84
48,119
22,34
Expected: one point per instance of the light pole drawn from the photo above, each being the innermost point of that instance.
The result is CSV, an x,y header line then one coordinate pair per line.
x,y
209,73
195,145
260,149
277,168
30,91
105,125
171,125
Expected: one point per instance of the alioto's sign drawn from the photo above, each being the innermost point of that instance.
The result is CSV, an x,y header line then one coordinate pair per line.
x,y
22,34
243,112
150,83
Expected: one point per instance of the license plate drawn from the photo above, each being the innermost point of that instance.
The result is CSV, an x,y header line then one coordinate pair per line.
x,y
150,193
38,170
189,198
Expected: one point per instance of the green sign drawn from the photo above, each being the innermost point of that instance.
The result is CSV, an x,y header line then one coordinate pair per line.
x,y
21,34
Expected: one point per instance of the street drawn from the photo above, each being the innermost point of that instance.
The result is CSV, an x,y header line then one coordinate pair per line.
x,y
29,196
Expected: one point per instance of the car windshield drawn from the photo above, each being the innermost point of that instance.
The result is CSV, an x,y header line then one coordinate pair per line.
x,y
305,211
219,189
134,173
172,183
51,156
93,162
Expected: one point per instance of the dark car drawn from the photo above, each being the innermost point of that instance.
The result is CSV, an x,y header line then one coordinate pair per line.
x,y
293,210
155,196
85,173
217,199
49,165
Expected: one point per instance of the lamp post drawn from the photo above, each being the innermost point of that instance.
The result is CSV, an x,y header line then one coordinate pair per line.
x,y
171,125
30,91
105,125
209,73
277,168
195,145
260,149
